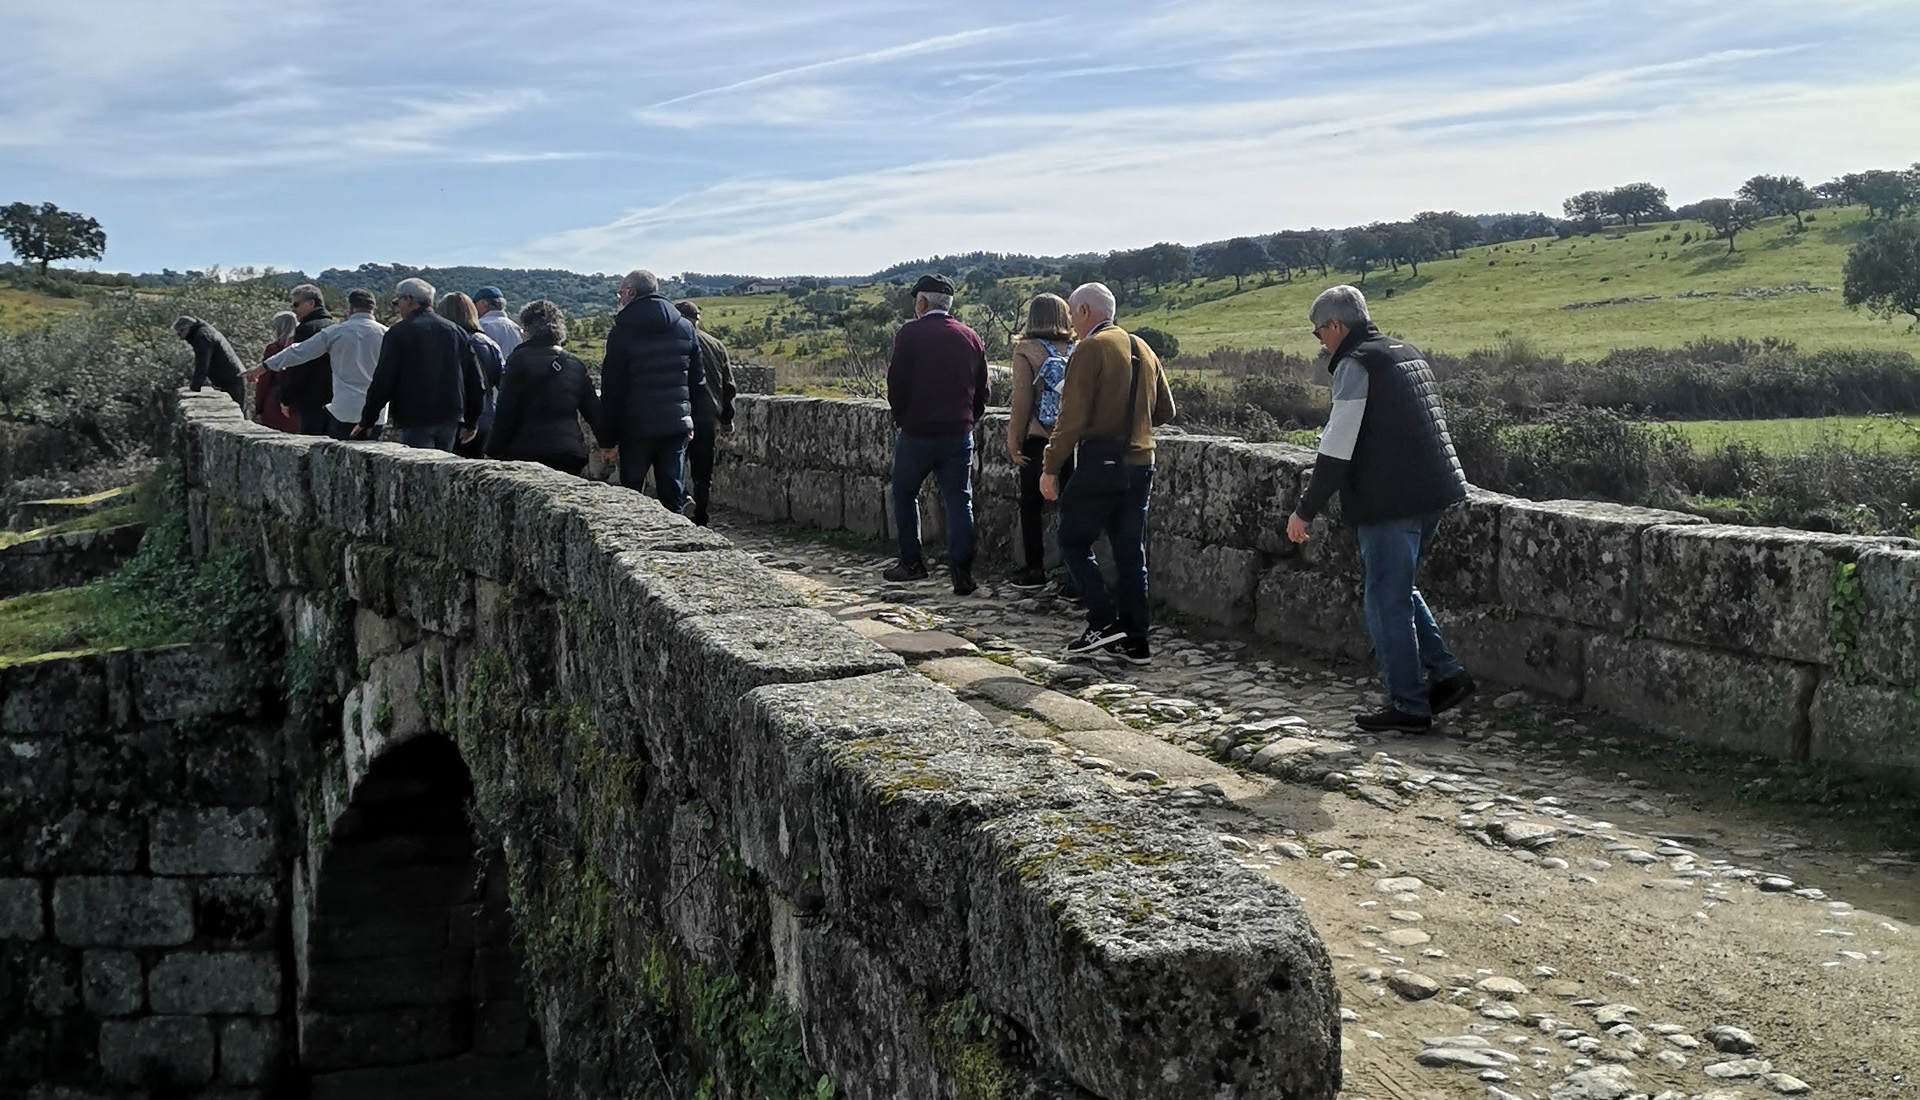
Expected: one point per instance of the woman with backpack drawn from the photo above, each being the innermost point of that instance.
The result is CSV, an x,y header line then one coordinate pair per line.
x,y
459,309
1039,370
545,394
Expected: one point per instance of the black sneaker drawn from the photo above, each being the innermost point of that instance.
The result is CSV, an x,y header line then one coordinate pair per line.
x,y
1029,579
1450,693
1393,720
902,572
1096,638
1134,651
963,581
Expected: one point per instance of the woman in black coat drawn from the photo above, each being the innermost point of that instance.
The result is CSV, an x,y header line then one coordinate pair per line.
x,y
544,392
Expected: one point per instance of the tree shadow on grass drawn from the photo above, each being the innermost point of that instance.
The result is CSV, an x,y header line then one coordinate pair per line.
x,y
1725,261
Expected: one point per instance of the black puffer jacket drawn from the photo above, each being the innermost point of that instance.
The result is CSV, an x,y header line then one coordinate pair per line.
x,y
543,394
214,359
653,364
309,385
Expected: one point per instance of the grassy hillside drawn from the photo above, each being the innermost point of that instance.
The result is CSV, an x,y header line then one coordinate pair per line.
x,y
1800,434
21,310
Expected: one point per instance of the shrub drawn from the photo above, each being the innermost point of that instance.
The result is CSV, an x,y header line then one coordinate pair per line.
x,y
1164,344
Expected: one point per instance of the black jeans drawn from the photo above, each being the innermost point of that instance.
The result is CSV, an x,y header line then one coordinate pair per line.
x,y
1032,521
700,469
1121,515
662,455
336,429
314,420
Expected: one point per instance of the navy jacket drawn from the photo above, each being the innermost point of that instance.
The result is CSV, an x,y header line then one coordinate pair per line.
x,y
652,367
428,371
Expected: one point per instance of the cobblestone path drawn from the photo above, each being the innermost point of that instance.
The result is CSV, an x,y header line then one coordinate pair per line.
x,y
1510,913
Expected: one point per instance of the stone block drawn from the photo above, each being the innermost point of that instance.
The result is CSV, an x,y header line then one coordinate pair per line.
x,y
1873,727
502,1027
1889,634
340,1042
433,594
188,684
1764,591
832,969
20,911
232,765
122,912
224,983
178,1047
369,573
59,696
111,983
1312,610
512,1077
865,505
35,771
817,498
1576,560
249,1050
412,500
236,912
1211,582
757,490
341,476
1462,566
212,841
566,539
274,475
431,977
1751,704
1251,489
82,842
1180,471
1537,654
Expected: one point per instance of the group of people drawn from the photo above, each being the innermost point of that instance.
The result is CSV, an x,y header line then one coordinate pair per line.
x,y
457,373
1087,396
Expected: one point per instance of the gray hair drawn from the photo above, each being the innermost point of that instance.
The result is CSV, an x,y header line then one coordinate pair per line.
x,y
936,301
1342,303
419,290
1096,297
544,322
642,282
306,292
284,322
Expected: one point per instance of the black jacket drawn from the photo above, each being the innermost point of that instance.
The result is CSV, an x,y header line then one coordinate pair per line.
x,y
652,367
1392,458
713,404
428,371
214,359
309,385
543,394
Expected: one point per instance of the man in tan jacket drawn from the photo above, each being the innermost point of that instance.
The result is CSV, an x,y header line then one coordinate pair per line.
x,y
1114,395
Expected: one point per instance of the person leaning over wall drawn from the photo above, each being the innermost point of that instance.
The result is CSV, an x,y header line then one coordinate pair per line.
x,y
712,412
1114,396
1039,363
213,358
937,391
543,394
1387,452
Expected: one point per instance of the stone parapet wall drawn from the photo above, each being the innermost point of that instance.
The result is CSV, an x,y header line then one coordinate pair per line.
x,y
142,887
728,818
1775,641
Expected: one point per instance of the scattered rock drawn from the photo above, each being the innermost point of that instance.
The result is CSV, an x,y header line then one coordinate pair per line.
x,y
1290,849
1738,1069
1234,844
1510,700
1407,937
1786,1084
1728,1039
1504,988
1599,1083
1609,1015
1525,834
1405,885
1414,987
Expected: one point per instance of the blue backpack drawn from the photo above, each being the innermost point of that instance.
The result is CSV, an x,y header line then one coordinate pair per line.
x,y
1048,379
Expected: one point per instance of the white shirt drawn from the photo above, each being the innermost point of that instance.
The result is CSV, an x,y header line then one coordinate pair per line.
x,y
354,345
505,332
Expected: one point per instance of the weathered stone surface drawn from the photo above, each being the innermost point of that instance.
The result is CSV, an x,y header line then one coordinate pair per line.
x,y
338,1042
1312,610
212,841
1748,703
1462,566
1251,488
1538,654
864,497
1759,590
817,498
59,561
111,983
79,841
178,1045
122,912
200,983
1889,633
753,488
20,917
53,696
1865,724
508,1078
1211,582
249,1050
187,684
1180,486
1575,560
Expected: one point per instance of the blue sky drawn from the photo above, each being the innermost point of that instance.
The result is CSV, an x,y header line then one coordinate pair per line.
x,y
838,136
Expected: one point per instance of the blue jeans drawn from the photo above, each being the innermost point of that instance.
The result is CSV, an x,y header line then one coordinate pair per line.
x,y
437,437
1406,641
950,460
662,455
1120,515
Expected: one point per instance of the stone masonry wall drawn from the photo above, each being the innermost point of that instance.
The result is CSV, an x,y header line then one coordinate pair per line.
x,y
1787,643
142,888
743,846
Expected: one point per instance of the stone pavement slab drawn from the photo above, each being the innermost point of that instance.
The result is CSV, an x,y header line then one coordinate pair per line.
x,y
914,645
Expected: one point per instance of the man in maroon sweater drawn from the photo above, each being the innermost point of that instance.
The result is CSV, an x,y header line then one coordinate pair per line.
x,y
937,388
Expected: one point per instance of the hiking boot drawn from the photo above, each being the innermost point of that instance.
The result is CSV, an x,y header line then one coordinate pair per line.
x,y
963,581
1096,638
903,572
1028,579
1134,651
1394,720
1450,693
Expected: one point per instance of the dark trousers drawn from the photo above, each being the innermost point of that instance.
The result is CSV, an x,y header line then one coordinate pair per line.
x,y
315,420
472,448
950,460
1121,515
1032,522
434,437
336,429
700,469
664,456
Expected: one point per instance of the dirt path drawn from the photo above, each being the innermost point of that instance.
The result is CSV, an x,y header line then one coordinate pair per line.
x,y
1512,912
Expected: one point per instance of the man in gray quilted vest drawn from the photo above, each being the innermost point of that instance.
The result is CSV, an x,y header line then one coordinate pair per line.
x,y
1387,453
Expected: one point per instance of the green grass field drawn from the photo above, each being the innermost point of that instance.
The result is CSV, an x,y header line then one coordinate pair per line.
x,y
21,310
1794,436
